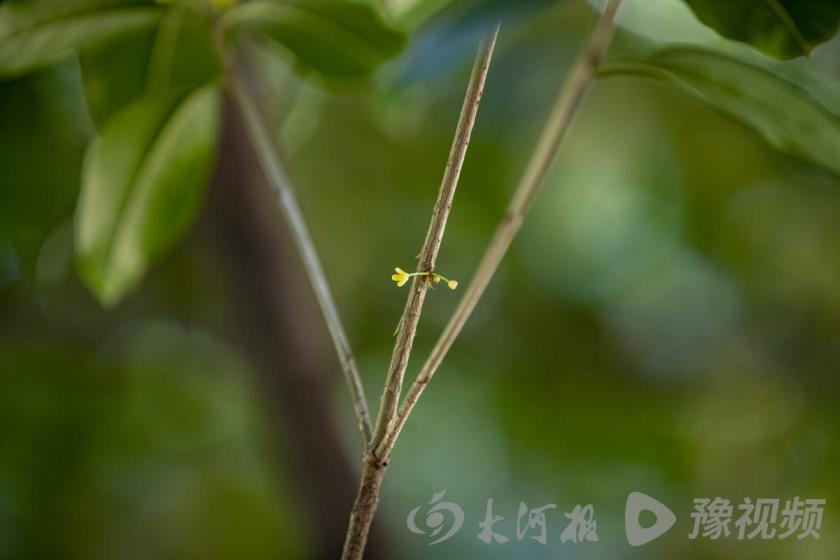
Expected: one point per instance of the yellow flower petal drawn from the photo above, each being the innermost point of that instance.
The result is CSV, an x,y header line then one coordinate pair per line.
x,y
401,277
452,284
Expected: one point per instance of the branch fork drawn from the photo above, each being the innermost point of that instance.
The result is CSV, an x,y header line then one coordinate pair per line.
x,y
379,439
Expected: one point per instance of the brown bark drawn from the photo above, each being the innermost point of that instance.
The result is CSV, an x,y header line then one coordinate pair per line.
x,y
364,508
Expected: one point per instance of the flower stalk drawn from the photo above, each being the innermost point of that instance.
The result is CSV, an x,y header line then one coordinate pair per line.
x,y
401,277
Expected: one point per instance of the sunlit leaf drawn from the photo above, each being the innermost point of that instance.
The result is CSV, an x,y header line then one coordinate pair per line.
x,y
780,28
788,117
338,40
141,187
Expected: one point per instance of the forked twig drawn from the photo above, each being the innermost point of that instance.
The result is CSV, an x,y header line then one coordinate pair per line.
x,y
526,191
373,469
407,326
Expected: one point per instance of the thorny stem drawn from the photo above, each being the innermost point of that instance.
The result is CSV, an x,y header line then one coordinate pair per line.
x,y
575,88
287,202
373,468
407,328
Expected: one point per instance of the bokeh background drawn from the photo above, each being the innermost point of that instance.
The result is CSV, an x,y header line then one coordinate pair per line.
x,y
668,321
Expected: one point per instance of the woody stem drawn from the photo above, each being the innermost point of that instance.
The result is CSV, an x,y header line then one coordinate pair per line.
x,y
373,468
568,101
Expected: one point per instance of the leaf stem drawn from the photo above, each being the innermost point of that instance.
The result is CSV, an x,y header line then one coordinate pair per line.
x,y
287,202
554,132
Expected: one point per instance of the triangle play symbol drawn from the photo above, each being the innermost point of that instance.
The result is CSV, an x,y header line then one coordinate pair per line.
x,y
636,504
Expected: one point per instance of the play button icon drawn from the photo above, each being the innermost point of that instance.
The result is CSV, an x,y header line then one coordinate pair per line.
x,y
636,504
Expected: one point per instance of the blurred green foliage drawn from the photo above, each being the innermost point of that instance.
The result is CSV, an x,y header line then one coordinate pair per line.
x,y
667,322
34,33
133,84
337,40
782,28
785,114
145,450
143,178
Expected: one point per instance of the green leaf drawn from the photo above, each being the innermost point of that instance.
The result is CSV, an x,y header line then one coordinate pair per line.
x,y
414,13
779,28
114,74
788,117
339,41
43,136
172,59
184,56
33,34
142,182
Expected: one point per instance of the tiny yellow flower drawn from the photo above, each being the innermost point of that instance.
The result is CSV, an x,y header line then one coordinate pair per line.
x,y
401,277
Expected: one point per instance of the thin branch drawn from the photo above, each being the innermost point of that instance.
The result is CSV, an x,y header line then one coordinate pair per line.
x,y
373,469
279,182
407,327
523,197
